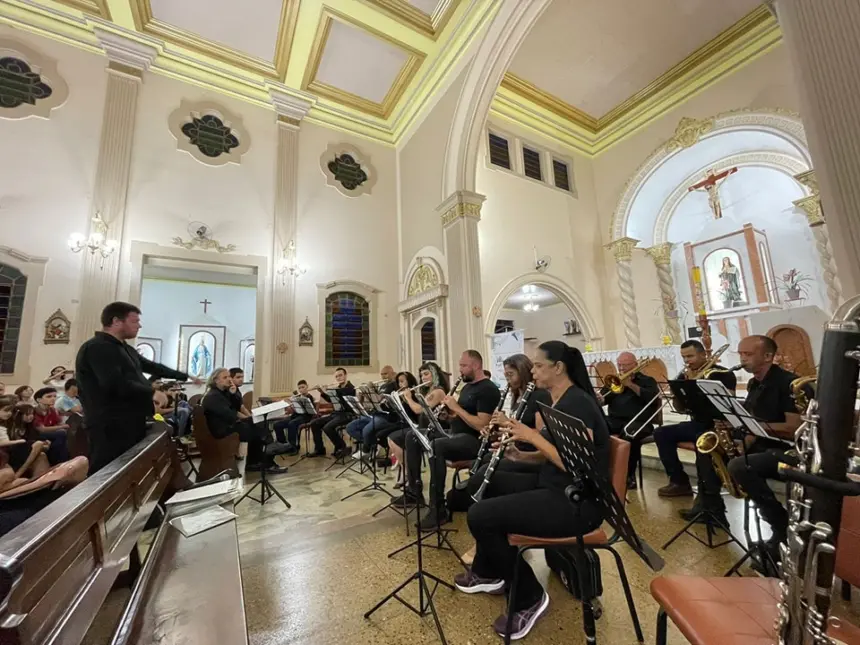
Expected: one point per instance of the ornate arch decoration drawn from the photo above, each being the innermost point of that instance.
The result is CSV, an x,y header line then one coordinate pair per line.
x,y
779,161
568,296
424,294
508,29
40,88
794,349
210,133
781,123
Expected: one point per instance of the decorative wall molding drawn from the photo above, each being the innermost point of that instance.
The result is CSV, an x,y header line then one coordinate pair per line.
x,y
210,133
34,268
462,204
348,170
48,90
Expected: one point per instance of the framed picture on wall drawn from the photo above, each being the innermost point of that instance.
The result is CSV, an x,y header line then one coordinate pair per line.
x,y
149,348
201,349
247,348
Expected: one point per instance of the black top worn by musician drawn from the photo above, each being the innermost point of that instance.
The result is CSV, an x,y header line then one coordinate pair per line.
x,y
726,378
770,398
115,394
482,396
580,404
221,412
529,414
625,405
348,389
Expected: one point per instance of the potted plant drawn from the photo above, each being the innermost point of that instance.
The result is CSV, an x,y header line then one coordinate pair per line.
x,y
794,283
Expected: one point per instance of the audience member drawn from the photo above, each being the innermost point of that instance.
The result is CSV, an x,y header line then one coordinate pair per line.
x,y
28,449
50,425
25,394
237,379
69,403
59,376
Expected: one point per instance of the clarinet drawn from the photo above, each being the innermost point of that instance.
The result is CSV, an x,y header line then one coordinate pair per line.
x,y
824,444
499,452
438,409
485,441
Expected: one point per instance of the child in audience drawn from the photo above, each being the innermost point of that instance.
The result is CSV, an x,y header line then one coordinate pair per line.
x,y
59,376
25,394
50,425
69,403
21,449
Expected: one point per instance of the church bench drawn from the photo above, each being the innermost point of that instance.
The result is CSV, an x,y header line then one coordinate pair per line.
x,y
216,455
57,568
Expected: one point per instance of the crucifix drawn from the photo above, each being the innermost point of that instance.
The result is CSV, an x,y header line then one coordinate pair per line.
x,y
205,304
711,185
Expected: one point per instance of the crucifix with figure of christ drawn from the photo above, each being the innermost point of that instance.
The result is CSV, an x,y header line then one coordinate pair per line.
x,y
205,304
711,185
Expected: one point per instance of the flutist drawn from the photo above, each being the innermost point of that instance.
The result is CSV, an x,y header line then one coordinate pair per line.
x,y
329,423
535,503
769,398
625,409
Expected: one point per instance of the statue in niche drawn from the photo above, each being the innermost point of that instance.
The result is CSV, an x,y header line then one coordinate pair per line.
x,y
730,282
201,359
306,334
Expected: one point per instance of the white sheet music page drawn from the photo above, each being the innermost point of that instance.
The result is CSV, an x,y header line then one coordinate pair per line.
x,y
269,410
730,407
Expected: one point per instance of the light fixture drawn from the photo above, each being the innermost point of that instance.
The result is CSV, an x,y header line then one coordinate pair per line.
x,y
531,307
288,264
97,241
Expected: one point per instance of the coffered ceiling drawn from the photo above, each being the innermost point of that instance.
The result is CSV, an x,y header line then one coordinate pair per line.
x,y
368,65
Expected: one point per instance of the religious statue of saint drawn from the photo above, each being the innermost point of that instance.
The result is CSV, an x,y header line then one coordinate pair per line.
x,y
730,282
201,360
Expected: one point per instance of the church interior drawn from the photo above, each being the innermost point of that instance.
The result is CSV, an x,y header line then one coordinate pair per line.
x,y
306,188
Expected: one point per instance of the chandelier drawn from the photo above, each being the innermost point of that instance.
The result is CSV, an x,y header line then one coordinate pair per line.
x,y
530,293
97,241
289,265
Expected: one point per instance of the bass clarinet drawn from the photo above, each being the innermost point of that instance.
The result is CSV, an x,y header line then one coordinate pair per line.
x,y
491,430
499,452
825,443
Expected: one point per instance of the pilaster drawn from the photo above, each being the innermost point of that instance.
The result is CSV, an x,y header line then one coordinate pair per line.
x,y
622,249
460,215
128,60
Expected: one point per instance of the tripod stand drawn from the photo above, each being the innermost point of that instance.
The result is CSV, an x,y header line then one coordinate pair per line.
x,y
755,550
425,594
374,485
267,491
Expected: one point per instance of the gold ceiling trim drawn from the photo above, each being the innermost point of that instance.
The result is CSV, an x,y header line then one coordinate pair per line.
x,y
413,18
96,7
747,25
276,69
398,87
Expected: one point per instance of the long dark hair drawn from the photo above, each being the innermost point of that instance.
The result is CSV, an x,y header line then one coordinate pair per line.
x,y
574,364
440,378
21,429
522,364
411,381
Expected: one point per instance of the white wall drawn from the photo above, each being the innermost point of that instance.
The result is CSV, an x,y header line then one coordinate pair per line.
x,y
545,324
167,304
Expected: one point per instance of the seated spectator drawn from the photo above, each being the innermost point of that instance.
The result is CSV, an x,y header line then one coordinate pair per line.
x,y
59,376
176,413
223,419
50,425
23,452
69,403
25,394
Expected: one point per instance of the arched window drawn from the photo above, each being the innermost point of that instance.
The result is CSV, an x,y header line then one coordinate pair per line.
x,y
428,341
13,286
347,330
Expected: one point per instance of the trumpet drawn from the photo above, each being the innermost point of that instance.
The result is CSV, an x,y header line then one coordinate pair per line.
x,y
614,381
710,366
441,407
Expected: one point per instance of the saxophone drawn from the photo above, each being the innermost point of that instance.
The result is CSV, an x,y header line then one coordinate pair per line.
x,y
718,443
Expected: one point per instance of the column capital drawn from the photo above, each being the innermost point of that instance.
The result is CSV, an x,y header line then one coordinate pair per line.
x,y
128,56
622,248
291,105
770,5
661,253
461,204
810,205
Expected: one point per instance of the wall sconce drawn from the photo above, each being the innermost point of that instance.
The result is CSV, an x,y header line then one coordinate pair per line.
x,y
289,265
97,241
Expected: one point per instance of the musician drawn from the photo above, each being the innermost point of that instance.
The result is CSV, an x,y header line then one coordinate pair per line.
x,y
331,422
363,426
769,398
293,422
639,391
468,416
668,437
535,503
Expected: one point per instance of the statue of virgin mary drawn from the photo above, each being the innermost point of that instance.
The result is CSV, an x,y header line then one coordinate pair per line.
x,y
201,360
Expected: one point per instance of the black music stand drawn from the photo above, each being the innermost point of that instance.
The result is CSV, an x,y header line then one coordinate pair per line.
x,y
375,484
338,404
267,491
425,595
405,511
304,405
576,450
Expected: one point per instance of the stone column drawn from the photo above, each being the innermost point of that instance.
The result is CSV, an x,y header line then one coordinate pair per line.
x,y
128,61
822,40
460,214
811,207
662,256
290,110
622,248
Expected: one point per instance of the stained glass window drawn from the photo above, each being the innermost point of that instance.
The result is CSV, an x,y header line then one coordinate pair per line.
x,y
13,285
428,341
347,330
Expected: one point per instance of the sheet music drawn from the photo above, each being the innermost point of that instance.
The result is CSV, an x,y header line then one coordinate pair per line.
x,y
303,405
730,408
195,523
212,490
262,412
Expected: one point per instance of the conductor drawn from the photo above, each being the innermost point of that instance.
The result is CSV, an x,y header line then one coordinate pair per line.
x,y
114,393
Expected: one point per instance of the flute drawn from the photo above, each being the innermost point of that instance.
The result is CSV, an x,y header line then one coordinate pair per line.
x,y
491,430
499,452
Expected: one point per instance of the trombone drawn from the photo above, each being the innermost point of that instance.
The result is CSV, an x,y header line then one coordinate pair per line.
x,y
614,381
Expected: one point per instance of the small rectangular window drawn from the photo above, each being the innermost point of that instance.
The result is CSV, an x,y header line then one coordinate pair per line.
x,y
499,153
561,174
531,164
503,326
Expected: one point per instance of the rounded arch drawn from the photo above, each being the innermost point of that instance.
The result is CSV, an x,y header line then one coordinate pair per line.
x,y
563,290
509,27
782,124
430,256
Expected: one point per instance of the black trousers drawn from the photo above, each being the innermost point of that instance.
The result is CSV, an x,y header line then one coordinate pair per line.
x,y
380,429
635,444
667,439
462,501
752,472
515,505
463,445
257,437
328,425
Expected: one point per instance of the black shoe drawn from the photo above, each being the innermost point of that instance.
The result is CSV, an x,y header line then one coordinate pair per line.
x,y
277,448
631,483
434,518
274,469
253,468
317,453
408,498
342,453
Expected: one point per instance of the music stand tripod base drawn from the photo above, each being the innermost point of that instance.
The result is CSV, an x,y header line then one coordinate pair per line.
x,y
712,524
374,485
267,492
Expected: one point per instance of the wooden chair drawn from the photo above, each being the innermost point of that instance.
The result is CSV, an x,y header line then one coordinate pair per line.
x,y
248,399
195,400
619,454
458,467
216,454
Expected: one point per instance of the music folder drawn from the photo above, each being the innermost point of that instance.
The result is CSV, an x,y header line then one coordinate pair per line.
x,y
263,412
